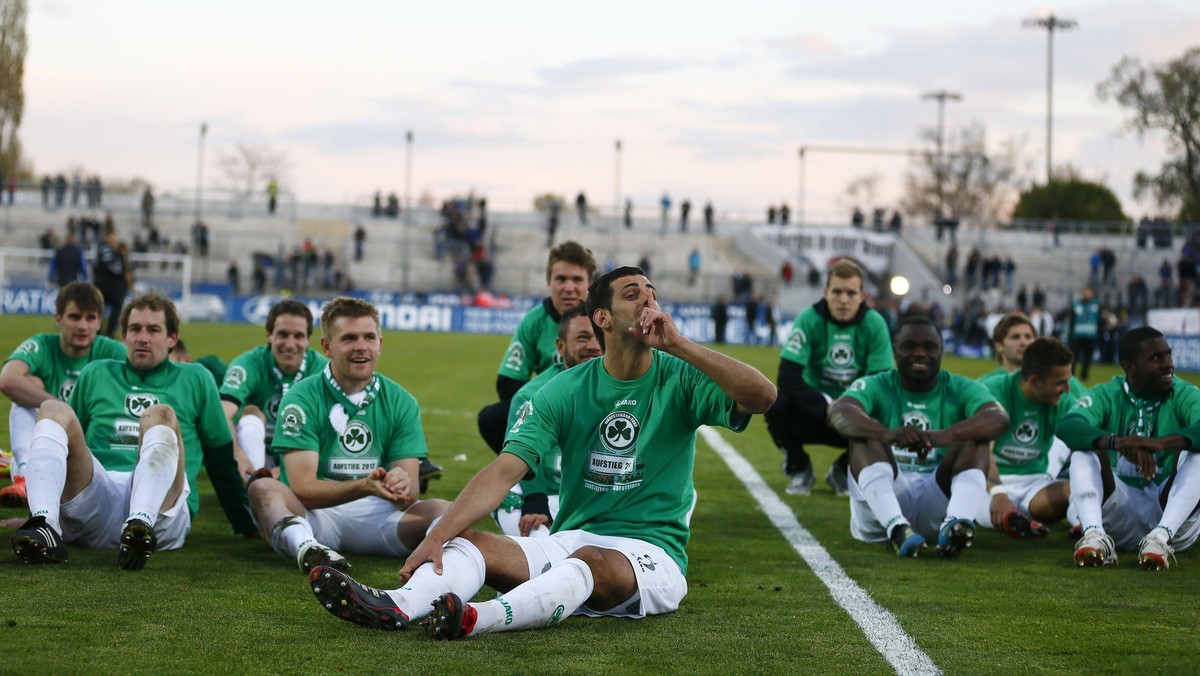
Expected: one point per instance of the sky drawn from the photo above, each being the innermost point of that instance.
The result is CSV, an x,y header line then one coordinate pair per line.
x,y
710,100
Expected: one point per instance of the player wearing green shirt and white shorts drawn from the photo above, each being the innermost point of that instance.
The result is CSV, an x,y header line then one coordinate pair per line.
x,y
46,366
919,447
131,442
258,379
532,505
1134,473
1027,457
351,442
626,424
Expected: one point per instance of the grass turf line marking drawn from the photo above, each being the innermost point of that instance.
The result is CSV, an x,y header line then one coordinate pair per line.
x,y
878,624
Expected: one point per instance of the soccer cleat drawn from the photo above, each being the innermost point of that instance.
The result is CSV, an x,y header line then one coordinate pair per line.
x,y
800,483
836,478
905,541
1154,553
37,542
6,461
429,470
1095,549
314,554
354,602
1018,526
137,544
450,618
955,536
1075,532
13,495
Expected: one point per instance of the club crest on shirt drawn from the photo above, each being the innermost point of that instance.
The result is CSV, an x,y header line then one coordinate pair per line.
x,y
30,346
515,356
236,377
619,431
522,414
1026,432
291,419
796,340
136,404
64,392
916,419
1084,402
357,438
841,354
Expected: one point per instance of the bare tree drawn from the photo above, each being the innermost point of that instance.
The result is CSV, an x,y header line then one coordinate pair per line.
x,y
861,192
976,186
13,46
248,168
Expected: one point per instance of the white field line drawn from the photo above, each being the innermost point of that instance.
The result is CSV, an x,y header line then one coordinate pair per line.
x,y
880,626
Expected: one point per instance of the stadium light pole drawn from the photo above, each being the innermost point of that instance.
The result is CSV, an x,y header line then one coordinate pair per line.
x,y
1051,23
408,148
200,169
617,186
941,96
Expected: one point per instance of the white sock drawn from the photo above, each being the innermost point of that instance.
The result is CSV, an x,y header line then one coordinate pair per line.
x,y
968,494
462,573
156,467
21,421
541,602
252,437
875,482
295,535
1087,489
1184,495
46,471
1072,513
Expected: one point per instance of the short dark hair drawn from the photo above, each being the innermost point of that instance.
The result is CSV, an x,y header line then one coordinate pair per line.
x,y
916,320
85,296
564,322
155,301
572,252
1131,343
346,306
288,306
600,295
1044,355
1010,322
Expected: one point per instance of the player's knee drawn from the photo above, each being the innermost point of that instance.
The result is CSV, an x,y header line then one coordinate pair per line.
x,y
252,410
158,414
262,491
58,411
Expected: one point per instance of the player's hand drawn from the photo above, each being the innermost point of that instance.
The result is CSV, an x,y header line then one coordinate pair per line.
x,y
531,522
1140,451
244,467
656,328
908,438
399,483
999,508
373,485
426,552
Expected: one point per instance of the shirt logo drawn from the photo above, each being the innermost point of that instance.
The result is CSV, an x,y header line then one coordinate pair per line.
x,y
64,392
1026,432
522,413
916,419
1084,402
796,340
136,404
841,354
357,437
619,431
236,377
273,407
516,357
857,386
30,346
292,419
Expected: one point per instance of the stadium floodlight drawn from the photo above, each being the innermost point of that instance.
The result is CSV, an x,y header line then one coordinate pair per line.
x,y
1050,24
899,285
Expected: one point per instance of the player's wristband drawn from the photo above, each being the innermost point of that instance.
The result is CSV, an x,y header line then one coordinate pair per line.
x,y
1112,442
536,503
998,489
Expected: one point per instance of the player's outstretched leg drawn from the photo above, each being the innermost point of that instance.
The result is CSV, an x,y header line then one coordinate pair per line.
x,y
450,618
355,602
37,541
1155,550
905,541
138,542
1094,549
954,536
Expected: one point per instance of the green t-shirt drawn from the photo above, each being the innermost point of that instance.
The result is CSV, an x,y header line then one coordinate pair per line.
x,y
58,372
254,379
628,447
214,365
351,439
1075,386
110,397
952,400
548,477
1085,319
533,347
1110,408
1024,448
834,355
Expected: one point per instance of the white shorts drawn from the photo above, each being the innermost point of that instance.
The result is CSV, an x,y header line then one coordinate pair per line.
x,y
1060,455
661,585
363,526
509,519
922,502
1023,488
1129,513
94,518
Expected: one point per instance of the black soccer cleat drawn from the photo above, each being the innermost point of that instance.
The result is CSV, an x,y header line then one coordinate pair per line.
x,y
355,602
37,542
429,470
450,618
137,544
955,536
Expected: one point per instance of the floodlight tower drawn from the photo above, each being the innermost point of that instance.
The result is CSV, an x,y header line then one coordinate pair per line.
x,y
1051,23
941,96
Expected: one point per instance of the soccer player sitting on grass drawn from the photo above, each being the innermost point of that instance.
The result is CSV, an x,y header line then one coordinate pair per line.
x,y
1026,458
919,447
626,424
45,367
117,467
258,379
1134,473
531,506
351,442
1010,338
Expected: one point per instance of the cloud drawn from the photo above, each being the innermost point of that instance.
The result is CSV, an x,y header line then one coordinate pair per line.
x,y
805,46
604,72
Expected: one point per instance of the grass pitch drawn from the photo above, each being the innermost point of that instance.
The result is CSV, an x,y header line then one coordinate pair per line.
x,y
226,604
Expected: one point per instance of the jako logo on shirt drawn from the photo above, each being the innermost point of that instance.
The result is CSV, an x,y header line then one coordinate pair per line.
x,y
136,404
357,437
235,378
841,354
619,431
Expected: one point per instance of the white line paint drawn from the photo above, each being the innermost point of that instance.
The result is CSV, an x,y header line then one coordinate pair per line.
x,y
880,626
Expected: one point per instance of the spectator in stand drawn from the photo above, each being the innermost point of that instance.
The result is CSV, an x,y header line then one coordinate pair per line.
x,y
751,319
47,185
693,267
1023,299
1108,261
581,207
1010,269
233,276
60,190
1039,299
49,240
200,239
1187,281
628,214
393,205
877,219
1094,268
259,275
972,269
665,202
1138,295
112,277
770,312
787,273
709,224
75,186
147,208
720,317
11,186
377,204
897,222
68,264
1162,296
360,239
327,262
685,209
644,264
272,195
857,218
771,215
952,264
785,214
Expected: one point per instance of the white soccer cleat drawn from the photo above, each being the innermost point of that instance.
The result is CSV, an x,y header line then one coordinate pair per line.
x,y
802,483
1095,549
1154,552
314,554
